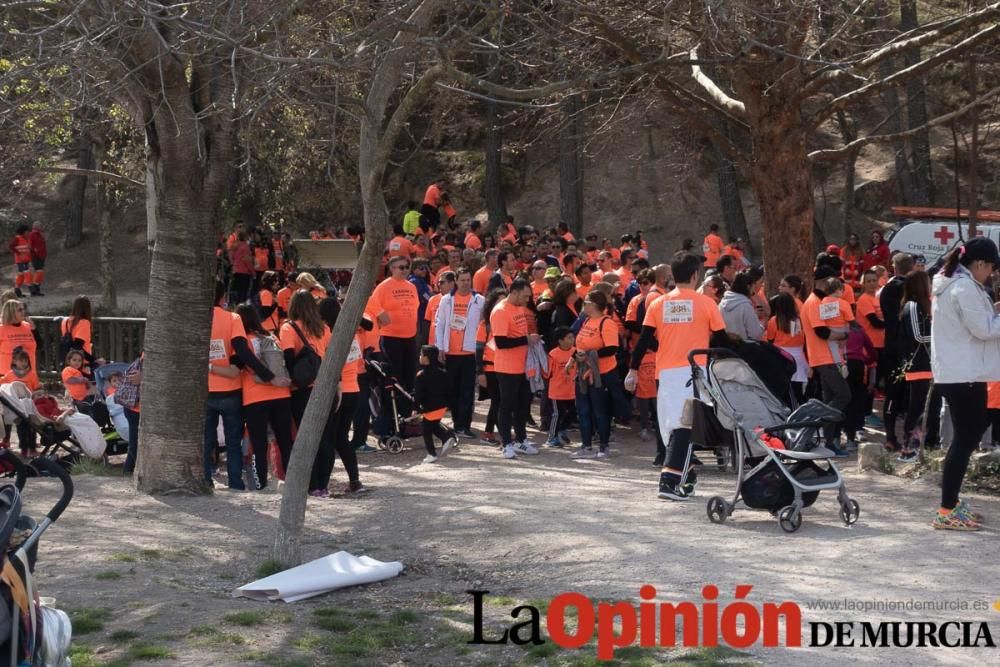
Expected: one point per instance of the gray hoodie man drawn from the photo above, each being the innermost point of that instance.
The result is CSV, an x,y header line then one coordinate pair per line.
x,y
740,316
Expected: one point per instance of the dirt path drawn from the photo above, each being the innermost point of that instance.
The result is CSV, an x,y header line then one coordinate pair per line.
x,y
152,576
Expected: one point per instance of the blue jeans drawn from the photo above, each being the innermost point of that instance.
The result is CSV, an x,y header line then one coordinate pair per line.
x,y
593,411
229,406
133,439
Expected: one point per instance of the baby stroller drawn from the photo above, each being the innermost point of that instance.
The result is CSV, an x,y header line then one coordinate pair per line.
x,y
31,633
75,436
781,465
399,428
116,442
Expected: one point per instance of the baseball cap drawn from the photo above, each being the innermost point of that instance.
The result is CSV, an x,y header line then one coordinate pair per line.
x,y
833,249
552,272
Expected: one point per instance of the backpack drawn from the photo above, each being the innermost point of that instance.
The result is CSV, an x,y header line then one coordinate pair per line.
x,y
65,341
305,366
270,355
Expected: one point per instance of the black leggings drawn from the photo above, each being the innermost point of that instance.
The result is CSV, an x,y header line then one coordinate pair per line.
x,y
967,403
994,414
493,389
335,440
435,428
515,399
277,414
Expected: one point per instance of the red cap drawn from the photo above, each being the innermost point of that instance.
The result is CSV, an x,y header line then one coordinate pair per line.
x,y
833,250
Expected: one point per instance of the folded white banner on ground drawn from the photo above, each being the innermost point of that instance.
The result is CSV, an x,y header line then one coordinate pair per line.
x,y
320,576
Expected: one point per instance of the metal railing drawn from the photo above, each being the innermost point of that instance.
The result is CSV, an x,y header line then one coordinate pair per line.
x,y
114,339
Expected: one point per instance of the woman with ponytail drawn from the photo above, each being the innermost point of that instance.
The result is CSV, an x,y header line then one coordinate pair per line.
x,y
965,355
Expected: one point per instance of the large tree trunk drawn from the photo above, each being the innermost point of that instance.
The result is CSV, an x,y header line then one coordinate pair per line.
x,y
153,175
916,114
77,192
734,220
496,205
571,166
109,294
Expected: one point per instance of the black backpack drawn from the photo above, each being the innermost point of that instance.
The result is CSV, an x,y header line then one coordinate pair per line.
x,y
305,366
65,342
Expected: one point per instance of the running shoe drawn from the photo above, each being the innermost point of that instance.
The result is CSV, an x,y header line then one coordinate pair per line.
x,y
430,458
364,449
837,451
488,439
553,442
448,445
465,433
564,437
602,453
659,459
874,421
583,453
509,452
964,507
525,447
319,493
355,488
671,491
907,457
954,520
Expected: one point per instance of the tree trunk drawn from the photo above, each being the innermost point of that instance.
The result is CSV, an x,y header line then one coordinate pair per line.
x,y
916,114
571,166
77,192
972,83
496,205
893,125
734,220
109,294
848,134
153,175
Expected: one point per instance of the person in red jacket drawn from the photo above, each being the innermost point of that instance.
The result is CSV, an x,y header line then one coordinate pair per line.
x,y
21,248
39,251
877,254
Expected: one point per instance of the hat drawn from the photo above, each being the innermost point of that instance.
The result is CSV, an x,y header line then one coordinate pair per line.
x,y
980,248
553,272
833,249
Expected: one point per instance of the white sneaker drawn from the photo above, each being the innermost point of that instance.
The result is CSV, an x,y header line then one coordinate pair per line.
x,y
602,454
430,458
509,452
583,453
525,447
448,445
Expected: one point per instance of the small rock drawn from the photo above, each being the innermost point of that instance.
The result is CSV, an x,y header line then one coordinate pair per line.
x,y
872,456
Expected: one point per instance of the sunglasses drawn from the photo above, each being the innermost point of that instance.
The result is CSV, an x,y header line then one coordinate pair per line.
x,y
402,267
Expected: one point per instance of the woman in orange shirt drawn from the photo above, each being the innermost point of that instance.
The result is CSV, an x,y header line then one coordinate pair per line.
x,y
308,282
597,337
267,399
304,327
785,331
270,318
488,367
78,327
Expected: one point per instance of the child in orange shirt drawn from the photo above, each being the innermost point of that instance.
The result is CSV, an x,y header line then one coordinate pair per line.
x,y
77,379
21,371
562,387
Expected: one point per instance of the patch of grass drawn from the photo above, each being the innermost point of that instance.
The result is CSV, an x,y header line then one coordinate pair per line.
x,y
83,656
149,652
122,636
281,617
716,655
444,600
541,605
87,466
268,567
501,601
108,575
404,617
366,614
371,639
227,576
333,619
122,557
151,554
540,651
88,619
207,635
310,641
246,619
276,660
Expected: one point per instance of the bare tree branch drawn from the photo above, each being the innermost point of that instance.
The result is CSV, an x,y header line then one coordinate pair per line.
x,y
716,93
92,173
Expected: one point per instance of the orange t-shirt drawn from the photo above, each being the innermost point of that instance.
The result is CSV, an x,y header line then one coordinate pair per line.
x,y
285,298
253,391
13,336
22,249
596,334
794,339
289,339
992,395
827,312
352,366
399,299
583,290
78,391
81,330
512,322
272,322
868,304
430,314
30,380
260,258
225,327
472,241
684,320
432,195
712,247
848,294
561,384
400,247
459,321
538,289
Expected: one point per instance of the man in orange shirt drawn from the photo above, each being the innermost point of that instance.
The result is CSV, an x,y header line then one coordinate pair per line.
x,y
433,200
395,302
481,280
514,329
564,232
504,275
538,283
583,284
679,321
712,246
455,327
399,245
815,317
472,239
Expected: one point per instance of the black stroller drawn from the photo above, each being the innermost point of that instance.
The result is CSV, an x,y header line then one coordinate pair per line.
x,y
398,427
31,633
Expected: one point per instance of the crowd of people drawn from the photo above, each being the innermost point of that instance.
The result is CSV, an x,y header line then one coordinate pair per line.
x,y
592,333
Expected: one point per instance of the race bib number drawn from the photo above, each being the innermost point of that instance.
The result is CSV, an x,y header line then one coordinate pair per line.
x,y
678,312
217,350
458,322
829,311
794,328
394,245
355,352
705,248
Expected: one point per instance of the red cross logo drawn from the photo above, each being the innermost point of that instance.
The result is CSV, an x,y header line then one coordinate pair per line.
x,y
944,235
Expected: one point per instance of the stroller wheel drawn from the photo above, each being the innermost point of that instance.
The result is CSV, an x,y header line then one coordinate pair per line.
x,y
394,444
718,509
849,512
789,518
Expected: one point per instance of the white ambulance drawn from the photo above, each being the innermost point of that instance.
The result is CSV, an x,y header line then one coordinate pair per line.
x,y
932,232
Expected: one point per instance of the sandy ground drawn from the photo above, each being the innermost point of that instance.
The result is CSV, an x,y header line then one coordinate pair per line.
x,y
157,572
